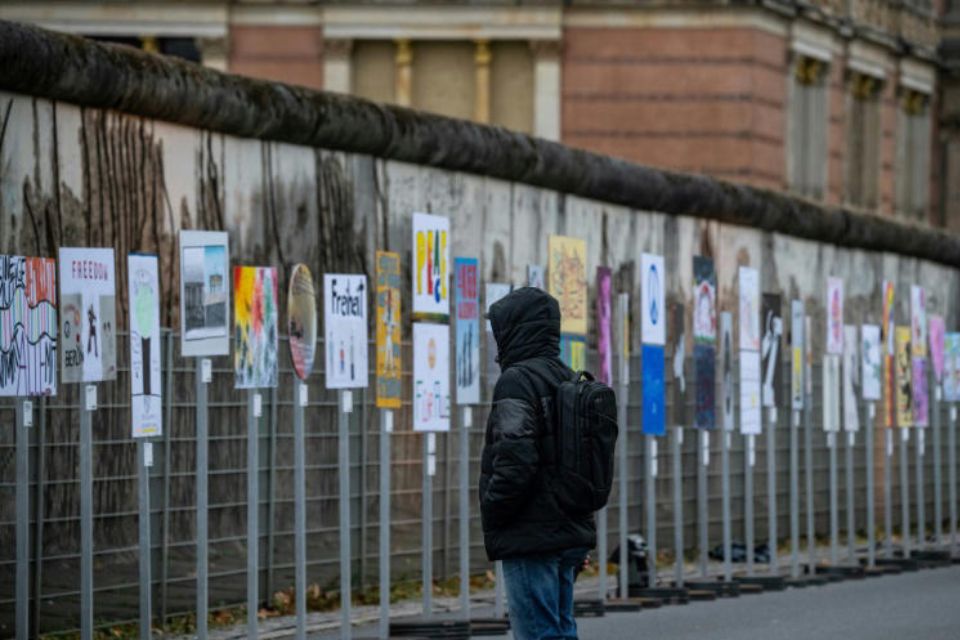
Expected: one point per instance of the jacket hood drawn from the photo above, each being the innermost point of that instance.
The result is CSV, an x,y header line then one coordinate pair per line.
x,y
526,324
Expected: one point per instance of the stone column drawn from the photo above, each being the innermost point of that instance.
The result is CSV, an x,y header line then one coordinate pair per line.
x,y
481,96
546,90
336,65
213,52
403,80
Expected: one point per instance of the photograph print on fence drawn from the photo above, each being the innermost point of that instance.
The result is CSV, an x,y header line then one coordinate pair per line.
x,y
204,293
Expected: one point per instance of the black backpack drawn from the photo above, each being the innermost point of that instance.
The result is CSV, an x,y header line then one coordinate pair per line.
x,y
585,432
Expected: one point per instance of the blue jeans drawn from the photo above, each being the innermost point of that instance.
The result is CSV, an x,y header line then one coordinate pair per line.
x,y
540,594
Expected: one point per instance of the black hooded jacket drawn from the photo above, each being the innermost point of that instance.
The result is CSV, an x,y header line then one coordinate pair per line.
x,y
520,515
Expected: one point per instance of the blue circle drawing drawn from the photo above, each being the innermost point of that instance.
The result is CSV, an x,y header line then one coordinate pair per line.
x,y
653,286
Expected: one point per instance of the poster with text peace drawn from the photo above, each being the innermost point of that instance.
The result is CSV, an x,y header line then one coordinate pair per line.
x,y
431,266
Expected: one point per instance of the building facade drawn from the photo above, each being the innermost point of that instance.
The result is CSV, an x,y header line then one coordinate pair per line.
x,y
845,103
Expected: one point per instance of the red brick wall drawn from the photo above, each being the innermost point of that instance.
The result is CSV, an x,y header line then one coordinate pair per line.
x,y
285,54
702,100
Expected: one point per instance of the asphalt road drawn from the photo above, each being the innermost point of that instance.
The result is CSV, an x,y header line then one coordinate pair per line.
x,y
923,605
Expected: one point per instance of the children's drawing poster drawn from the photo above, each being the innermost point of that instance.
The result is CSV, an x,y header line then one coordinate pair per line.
x,y
678,339
921,399
835,316
345,329
918,321
302,320
796,354
467,315
750,411
851,378
535,277
888,338
604,326
704,301
493,292
568,281
652,390
726,367
904,377
88,322
653,286
871,361
146,397
936,334
255,327
770,350
431,267
951,367
748,280
389,369
431,377
204,293
28,326
831,393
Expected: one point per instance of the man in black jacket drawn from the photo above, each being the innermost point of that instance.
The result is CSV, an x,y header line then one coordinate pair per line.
x,y
540,544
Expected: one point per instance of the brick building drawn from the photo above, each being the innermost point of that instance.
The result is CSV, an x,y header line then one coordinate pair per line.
x,y
849,103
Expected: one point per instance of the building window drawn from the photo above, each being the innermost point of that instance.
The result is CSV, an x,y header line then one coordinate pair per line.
x,y
912,186
807,133
861,179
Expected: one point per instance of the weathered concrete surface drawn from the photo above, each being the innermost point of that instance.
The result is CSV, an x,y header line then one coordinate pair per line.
x,y
81,72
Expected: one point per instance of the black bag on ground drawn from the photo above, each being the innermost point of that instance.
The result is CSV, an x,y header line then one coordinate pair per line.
x,y
585,438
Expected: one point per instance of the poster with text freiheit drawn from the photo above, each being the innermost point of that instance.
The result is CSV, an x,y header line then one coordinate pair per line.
x,y
345,330
146,390
204,293
28,326
431,377
653,314
88,315
255,326
567,275
389,369
431,268
467,316
835,316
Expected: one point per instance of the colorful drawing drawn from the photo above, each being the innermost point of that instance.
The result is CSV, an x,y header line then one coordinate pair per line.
x,y
255,327
904,376
888,337
679,343
653,311
389,361
494,291
302,320
89,347
28,326
535,277
431,270
918,321
921,401
750,396
345,329
835,316
796,352
770,350
204,293
871,359
726,351
573,352
749,295
568,282
704,301
652,391
705,365
622,324
604,326
467,306
951,379
831,393
851,378
146,395
936,333
431,377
